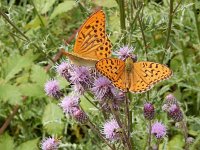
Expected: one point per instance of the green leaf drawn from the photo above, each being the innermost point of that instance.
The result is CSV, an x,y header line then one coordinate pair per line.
x,y
15,63
39,75
176,143
10,93
35,23
106,3
6,142
85,104
51,119
30,145
63,7
32,90
43,6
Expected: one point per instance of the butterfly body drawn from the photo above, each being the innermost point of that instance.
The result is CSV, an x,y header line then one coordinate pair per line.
x,y
92,43
137,77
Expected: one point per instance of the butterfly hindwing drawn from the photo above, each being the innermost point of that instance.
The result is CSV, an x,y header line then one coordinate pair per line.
x,y
92,41
147,74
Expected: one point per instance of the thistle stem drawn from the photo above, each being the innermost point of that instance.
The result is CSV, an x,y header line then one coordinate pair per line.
x,y
122,19
185,133
93,127
171,12
196,21
125,137
149,138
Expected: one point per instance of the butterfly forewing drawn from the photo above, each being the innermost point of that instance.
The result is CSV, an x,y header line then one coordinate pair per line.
x,y
92,41
112,68
146,74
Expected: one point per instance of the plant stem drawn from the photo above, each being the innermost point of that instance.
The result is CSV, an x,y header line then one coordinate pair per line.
x,y
122,19
143,35
125,137
196,20
128,116
92,126
149,139
185,133
169,27
21,33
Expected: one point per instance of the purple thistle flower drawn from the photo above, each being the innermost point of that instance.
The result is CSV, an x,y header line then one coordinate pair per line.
x,y
80,116
69,104
148,111
80,77
175,113
52,89
63,70
158,129
110,130
49,144
125,52
102,88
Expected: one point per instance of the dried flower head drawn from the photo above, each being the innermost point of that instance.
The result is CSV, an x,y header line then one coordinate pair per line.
x,y
80,77
52,89
63,70
149,111
175,113
158,129
49,144
69,104
111,130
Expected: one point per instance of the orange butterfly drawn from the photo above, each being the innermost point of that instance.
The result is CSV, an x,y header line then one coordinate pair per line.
x,y
136,77
92,43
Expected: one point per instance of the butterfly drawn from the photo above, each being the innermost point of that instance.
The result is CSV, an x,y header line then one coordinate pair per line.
x,y
136,77
92,43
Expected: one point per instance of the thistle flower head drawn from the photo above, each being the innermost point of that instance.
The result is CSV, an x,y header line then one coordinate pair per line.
x,y
49,144
110,130
148,111
175,113
125,52
69,104
102,87
63,70
80,77
52,89
158,129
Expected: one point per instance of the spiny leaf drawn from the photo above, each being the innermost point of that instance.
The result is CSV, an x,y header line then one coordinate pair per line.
x,y
43,6
10,93
51,119
15,63
30,145
63,7
6,142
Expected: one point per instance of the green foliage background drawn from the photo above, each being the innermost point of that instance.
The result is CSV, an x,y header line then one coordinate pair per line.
x,y
45,24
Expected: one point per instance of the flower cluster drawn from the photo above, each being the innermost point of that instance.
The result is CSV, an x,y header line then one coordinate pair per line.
x,y
172,108
70,106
